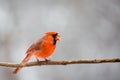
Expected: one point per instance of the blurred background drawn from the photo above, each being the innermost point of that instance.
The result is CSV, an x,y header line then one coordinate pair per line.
x,y
89,29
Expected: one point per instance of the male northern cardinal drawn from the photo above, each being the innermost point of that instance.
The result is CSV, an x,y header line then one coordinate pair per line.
x,y
43,48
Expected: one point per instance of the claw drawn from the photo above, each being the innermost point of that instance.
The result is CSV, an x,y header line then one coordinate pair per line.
x,y
46,59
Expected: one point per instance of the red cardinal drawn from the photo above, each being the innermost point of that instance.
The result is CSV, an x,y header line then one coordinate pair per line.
x,y
43,48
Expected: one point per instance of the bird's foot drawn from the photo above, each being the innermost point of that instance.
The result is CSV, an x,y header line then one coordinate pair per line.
x,y
47,59
38,60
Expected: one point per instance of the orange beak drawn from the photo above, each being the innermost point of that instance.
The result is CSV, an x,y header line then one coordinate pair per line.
x,y
58,37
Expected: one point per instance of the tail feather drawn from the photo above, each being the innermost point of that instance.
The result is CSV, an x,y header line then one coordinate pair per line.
x,y
25,60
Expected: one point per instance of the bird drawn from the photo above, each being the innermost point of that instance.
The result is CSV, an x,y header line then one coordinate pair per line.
x,y
43,48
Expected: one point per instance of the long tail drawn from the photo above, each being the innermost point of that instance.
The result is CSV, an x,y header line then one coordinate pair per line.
x,y
26,59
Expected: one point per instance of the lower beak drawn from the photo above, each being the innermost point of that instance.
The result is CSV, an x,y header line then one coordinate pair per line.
x,y
58,37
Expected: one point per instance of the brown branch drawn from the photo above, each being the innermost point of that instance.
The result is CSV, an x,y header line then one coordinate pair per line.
x,y
61,62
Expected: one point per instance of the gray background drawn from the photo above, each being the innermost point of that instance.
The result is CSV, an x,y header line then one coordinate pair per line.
x,y
89,29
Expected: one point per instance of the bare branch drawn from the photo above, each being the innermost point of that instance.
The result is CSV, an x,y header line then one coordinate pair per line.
x,y
61,62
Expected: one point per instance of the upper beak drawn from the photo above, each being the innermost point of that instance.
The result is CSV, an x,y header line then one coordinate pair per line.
x,y
58,37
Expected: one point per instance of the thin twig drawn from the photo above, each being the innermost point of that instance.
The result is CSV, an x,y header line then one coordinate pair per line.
x,y
61,62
